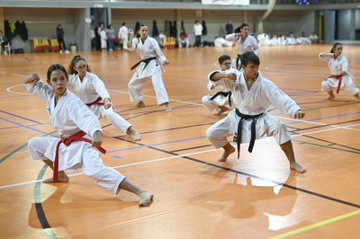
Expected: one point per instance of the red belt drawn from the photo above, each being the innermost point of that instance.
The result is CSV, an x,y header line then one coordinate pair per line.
x,y
339,78
96,102
79,136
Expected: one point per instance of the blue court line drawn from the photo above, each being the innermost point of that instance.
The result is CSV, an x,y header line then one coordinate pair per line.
x,y
16,127
20,117
23,126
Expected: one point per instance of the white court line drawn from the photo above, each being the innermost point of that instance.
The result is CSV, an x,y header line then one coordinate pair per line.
x,y
162,159
324,130
154,97
280,117
20,75
116,167
318,123
9,90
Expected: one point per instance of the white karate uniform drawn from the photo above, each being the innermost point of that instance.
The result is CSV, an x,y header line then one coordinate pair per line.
x,y
249,44
215,87
252,102
123,36
103,39
90,89
336,66
153,70
68,117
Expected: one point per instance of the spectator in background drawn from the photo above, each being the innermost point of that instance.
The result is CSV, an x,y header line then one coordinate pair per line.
x,y
161,39
123,36
184,40
60,37
229,28
3,42
93,38
110,37
103,37
198,28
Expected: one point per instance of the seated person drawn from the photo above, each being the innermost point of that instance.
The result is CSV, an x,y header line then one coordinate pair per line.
x,y
184,40
3,41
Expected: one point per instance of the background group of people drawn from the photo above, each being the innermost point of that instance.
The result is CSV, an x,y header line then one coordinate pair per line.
x,y
106,38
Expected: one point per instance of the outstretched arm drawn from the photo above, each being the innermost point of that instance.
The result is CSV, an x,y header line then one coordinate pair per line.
x,y
33,79
326,56
37,87
216,76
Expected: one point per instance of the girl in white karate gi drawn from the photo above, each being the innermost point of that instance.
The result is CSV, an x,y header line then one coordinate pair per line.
x,y
243,43
220,97
73,120
91,90
252,95
149,67
340,77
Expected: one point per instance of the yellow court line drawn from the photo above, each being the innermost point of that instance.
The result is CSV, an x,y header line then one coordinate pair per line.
x,y
316,225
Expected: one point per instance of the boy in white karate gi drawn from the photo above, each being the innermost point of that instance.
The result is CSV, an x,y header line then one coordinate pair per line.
x,y
252,95
220,98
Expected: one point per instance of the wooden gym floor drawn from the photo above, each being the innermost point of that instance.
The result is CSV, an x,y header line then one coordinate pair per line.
x,y
195,196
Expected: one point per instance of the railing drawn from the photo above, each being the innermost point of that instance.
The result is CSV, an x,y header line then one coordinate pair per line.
x,y
110,3
290,2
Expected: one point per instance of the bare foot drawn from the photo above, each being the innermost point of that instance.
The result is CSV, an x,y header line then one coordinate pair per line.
x,y
62,178
134,134
330,98
295,166
357,96
230,150
140,104
221,109
167,108
146,199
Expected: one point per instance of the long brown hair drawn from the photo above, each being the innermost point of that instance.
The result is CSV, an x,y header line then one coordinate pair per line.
x,y
334,46
73,63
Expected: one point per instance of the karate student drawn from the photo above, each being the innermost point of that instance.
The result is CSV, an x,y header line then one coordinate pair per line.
x,y
123,36
340,77
243,42
252,95
220,99
150,67
80,135
91,90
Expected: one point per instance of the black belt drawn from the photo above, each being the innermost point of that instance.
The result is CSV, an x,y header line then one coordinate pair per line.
x,y
226,94
238,59
147,60
237,137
